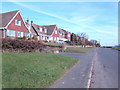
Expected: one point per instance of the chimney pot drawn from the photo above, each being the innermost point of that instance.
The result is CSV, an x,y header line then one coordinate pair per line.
x,y
31,22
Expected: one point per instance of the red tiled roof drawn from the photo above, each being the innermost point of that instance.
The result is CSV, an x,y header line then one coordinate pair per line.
x,y
50,29
6,17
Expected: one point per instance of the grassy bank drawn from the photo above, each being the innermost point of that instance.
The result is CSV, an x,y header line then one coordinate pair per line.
x,y
77,49
33,70
116,48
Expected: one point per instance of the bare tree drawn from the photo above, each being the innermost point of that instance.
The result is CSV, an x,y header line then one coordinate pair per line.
x,y
83,36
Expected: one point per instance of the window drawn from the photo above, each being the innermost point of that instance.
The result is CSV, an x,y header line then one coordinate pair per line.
x,y
10,33
45,30
28,35
40,29
51,38
43,38
68,35
47,37
18,22
56,32
31,35
20,34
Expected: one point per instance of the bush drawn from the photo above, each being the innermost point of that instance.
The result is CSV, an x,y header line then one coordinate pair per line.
x,y
19,45
24,38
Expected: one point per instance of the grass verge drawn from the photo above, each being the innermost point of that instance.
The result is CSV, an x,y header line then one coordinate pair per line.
x,y
77,49
53,44
33,70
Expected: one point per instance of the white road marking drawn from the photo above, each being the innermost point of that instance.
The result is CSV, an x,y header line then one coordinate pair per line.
x,y
91,70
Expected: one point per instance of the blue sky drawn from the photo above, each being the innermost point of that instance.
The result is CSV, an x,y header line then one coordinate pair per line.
x,y
98,20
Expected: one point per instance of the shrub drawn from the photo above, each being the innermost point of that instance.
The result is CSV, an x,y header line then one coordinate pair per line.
x,y
24,38
19,45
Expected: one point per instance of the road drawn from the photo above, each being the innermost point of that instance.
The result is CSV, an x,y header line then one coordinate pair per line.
x,y
104,71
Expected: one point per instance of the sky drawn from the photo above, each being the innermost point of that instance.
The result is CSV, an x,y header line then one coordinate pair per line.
x,y
99,20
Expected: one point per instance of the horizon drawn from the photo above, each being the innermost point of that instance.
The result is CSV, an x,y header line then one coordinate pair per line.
x,y
93,18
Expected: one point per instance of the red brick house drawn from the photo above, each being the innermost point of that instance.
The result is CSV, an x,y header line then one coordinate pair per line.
x,y
13,25
38,31
67,35
52,32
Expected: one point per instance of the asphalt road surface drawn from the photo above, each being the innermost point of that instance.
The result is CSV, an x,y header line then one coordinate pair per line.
x,y
104,72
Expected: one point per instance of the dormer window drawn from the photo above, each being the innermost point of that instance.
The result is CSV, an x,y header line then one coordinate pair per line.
x,y
45,30
18,22
56,32
40,29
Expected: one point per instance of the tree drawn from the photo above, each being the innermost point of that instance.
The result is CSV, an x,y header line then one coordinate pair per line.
x,y
83,36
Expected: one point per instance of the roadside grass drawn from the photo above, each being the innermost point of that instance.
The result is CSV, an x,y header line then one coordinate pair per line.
x,y
54,44
78,49
116,48
33,70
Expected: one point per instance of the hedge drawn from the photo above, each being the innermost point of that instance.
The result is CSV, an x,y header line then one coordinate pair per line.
x,y
18,45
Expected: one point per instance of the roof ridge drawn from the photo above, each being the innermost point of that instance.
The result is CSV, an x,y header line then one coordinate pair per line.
x,y
36,24
49,25
10,11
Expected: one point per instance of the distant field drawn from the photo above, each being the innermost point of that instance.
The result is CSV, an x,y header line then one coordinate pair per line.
x,y
78,49
33,70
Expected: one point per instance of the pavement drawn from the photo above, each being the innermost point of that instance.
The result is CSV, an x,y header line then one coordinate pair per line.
x,y
77,77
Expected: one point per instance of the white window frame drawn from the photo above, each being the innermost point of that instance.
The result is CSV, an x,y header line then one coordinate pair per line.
x,y
21,34
40,29
45,30
10,33
28,35
42,37
55,31
19,23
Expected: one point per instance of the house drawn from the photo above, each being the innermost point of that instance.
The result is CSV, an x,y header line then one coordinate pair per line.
x,y
61,34
38,31
13,25
66,35
52,32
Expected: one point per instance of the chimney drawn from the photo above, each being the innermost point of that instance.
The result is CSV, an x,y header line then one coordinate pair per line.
x,y
31,22
27,20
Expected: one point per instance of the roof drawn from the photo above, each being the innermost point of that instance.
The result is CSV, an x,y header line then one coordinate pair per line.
x,y
50,29
32,30
6,17
35,29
